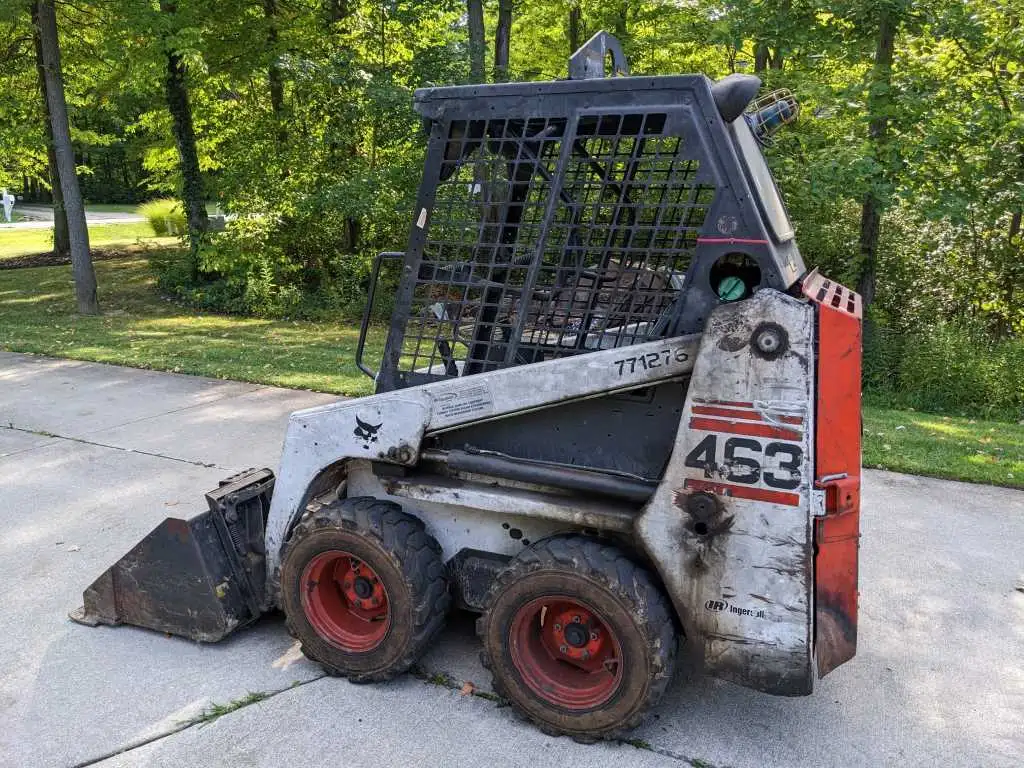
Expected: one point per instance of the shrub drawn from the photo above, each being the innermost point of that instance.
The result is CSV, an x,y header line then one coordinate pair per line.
x,y
165,215
947,369
269,266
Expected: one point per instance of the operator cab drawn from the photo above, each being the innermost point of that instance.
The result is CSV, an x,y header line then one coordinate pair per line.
x,y
565,217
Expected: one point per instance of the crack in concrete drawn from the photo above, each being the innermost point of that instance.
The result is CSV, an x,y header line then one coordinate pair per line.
x,y
252,389
446,681
439,679
84,441
694,762
186,724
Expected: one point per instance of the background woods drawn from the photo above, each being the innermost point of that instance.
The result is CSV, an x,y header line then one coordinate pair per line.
x,y
904,176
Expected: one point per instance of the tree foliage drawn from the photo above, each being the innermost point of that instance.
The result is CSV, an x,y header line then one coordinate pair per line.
x,y
305,133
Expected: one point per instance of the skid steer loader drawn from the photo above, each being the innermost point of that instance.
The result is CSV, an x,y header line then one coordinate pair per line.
x,y
613,411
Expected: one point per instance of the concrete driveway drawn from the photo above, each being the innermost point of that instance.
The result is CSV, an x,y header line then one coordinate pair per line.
x,y
92,456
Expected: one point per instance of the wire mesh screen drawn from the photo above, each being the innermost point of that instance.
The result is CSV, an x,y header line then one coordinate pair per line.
x,y
549,238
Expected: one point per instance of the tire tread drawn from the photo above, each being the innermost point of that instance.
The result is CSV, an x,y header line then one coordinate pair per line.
x,y
616,571
418,555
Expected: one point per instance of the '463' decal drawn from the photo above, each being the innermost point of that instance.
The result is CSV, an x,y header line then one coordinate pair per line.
x,y
748,460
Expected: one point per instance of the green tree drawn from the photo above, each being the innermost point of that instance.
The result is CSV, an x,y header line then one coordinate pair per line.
x,y
61,237
180,107
45,18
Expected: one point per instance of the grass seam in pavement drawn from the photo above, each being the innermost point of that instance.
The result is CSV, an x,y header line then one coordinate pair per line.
x,y
44,433
442,680
184,725
216,711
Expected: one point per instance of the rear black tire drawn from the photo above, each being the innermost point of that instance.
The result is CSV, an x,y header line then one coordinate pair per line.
x,y
392,546
618,597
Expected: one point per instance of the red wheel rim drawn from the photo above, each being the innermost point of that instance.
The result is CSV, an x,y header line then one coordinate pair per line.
x,y
565,652
345,601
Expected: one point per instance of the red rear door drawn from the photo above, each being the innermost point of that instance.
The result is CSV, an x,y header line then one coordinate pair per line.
x,y
837,471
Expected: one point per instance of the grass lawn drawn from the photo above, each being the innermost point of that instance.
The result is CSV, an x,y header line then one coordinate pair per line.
x,y
142,330
139,329
111,207
978,450
22,242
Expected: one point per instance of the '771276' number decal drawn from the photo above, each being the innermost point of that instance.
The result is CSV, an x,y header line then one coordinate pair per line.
x,y
743,460
650,360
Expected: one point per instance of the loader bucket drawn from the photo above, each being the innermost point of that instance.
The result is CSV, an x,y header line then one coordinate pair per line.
x,y
201,577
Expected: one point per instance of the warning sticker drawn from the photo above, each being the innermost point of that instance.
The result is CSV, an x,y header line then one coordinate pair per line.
x,y
473,401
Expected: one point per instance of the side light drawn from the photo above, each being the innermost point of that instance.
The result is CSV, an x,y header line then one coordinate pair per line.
x,y
769,113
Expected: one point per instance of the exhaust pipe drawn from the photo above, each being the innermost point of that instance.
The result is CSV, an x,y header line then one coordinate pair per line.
x,y
200,578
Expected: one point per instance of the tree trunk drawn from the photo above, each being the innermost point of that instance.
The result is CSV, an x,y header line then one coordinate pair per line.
x,y
78,234
878,128
761,56
178,105
477,45
334,11
61,236
870,227
61,244
575,27
779,55
501,41
354,231
274,77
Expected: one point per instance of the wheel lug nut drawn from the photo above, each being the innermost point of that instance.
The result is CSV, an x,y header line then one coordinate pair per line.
x,y
586,655
593,635
564,648
575,619
558,627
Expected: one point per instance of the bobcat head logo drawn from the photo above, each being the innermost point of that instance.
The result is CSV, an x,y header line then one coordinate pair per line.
x,y
366,432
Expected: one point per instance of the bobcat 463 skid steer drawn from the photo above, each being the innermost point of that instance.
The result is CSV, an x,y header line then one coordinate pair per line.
x,y
614,411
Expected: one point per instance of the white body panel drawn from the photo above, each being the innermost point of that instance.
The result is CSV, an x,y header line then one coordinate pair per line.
x,y
389,427
459,526
743,588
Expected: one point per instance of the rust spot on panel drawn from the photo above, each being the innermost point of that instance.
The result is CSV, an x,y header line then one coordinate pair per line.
x,y
177,528
706,516
836,634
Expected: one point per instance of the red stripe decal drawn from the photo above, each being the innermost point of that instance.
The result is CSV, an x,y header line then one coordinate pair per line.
x,y
740,428
743,492
731,413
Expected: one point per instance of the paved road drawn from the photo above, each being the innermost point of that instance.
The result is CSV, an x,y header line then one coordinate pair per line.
x,y
92,456
41,217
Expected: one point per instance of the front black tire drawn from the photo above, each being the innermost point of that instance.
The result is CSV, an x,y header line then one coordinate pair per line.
x,y
564,613
363,588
